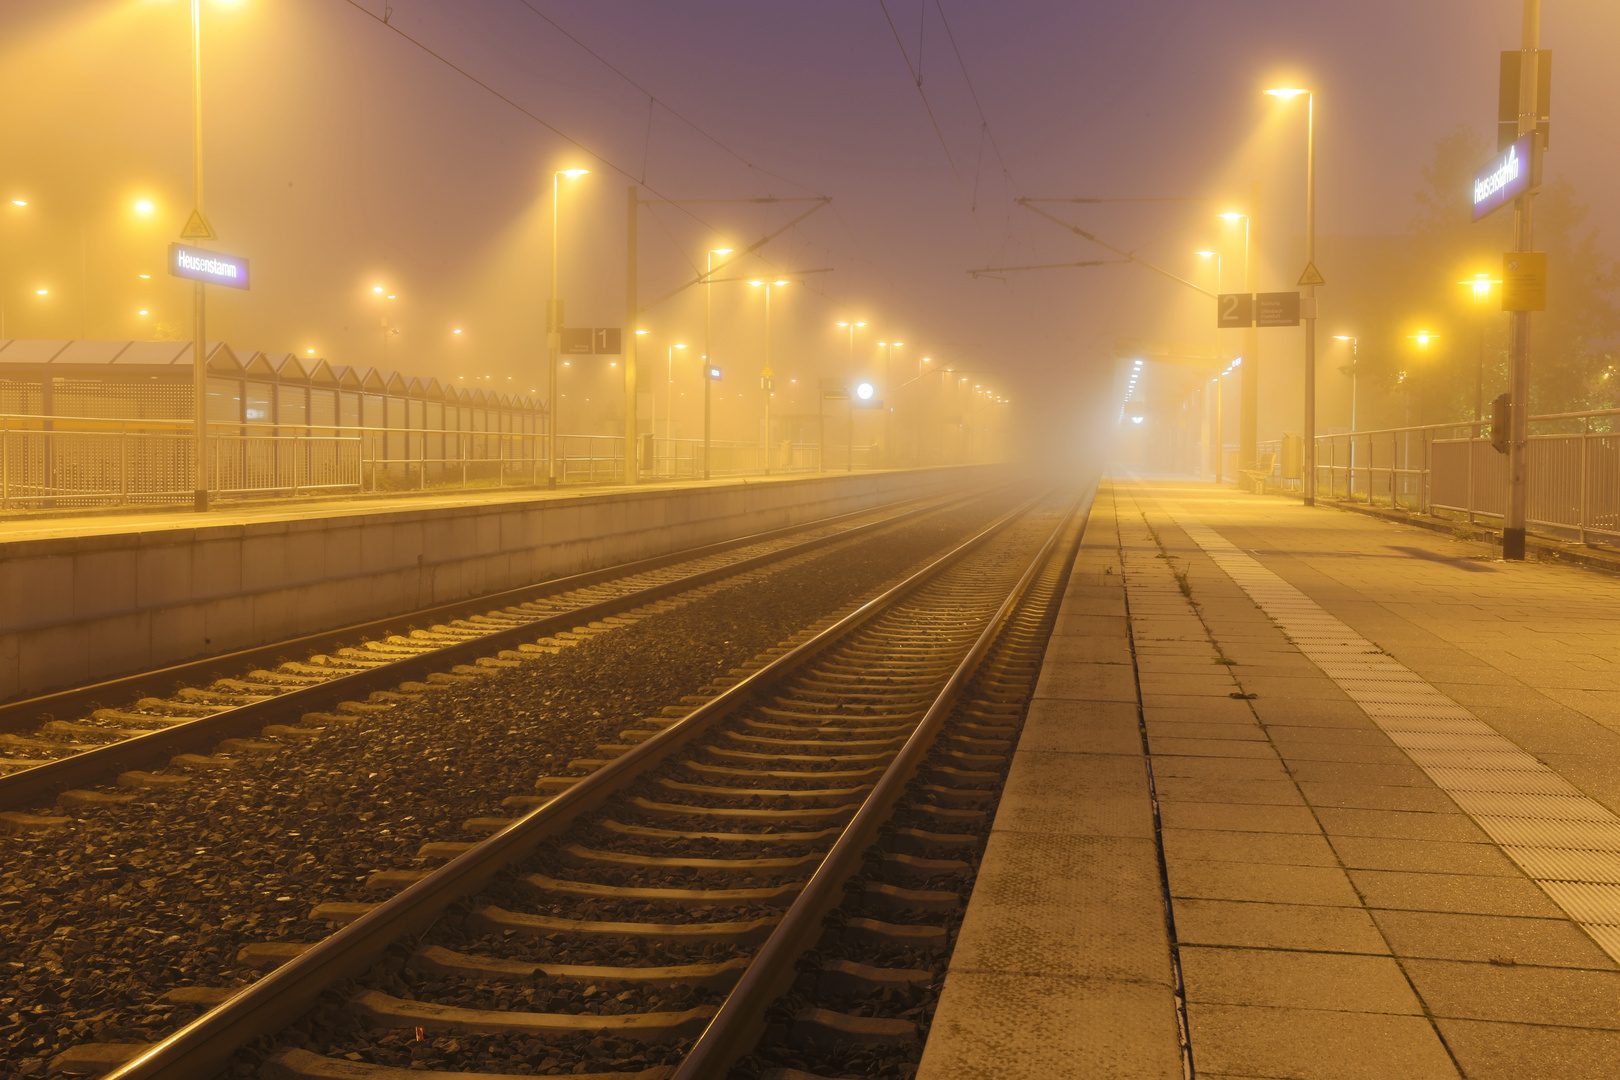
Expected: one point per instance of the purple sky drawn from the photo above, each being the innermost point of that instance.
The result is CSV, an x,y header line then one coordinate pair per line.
x,y
340,155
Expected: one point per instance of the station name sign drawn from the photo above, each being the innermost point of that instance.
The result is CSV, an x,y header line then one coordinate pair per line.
x,y
199,264
1505,177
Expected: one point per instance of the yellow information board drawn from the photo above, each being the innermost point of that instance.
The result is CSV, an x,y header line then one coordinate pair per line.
x,y
1524,281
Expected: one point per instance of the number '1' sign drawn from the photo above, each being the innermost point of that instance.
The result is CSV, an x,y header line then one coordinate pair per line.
x,y
1234,309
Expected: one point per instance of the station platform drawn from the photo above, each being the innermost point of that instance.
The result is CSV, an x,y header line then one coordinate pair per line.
x,y
56,525
1302,793
88,598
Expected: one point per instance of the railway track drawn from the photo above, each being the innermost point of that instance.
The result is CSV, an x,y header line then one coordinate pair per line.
x,y
51,747
646,910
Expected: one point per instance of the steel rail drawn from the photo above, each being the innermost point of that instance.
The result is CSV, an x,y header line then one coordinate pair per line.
x,y
204,1046
740,1021
16,715
27,786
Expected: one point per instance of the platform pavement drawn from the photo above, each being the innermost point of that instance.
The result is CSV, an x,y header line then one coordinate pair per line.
x,y
46,526
1400,857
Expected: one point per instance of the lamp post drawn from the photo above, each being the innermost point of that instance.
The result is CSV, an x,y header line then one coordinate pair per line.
x,y
851,327
1249,377
708,362
669,415
1217,393
888,406
766,376
554,325
1309,480
197,227
5,283
1355,361
1529,115
1480,284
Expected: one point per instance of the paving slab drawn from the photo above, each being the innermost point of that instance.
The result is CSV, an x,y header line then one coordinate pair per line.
x,y
1507,951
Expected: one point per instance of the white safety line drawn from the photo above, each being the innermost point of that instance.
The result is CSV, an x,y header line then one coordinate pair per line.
x,y
1568,843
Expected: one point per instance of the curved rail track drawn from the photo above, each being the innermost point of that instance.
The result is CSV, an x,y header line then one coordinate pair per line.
x,y
174,713
696,867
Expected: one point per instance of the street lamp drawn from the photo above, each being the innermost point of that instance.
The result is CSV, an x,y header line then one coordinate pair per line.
x,y
1286,93
767,376
1355,352
1217,403
554,325
851,327
1249,377
708,327
1480,285
888,384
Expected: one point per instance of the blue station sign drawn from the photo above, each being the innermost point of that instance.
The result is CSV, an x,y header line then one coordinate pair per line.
x,y
1505,177
214,267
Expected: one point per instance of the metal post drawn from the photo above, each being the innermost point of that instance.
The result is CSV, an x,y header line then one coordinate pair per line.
x,y
629,338
821,432
1518,500
1586,436
1473,434
554,321
708,326
1249,370
1310,299
768,378
849,431
199,335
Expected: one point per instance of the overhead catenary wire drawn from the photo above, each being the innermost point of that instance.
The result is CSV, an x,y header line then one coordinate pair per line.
x,y
681,205
655,99
929,109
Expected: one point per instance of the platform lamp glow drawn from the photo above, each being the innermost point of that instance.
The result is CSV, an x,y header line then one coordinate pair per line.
x,y
1249,376
767,376
1308,481
1480,286
1217,405
888,381
554,325
708,327
198,228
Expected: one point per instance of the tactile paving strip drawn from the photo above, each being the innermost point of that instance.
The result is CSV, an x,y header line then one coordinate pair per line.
x,y
1568,843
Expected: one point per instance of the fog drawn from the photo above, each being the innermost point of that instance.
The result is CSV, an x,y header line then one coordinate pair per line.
x,y
343,152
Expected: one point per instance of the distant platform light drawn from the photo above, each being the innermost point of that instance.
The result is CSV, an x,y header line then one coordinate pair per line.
x,y
865,391
1136,419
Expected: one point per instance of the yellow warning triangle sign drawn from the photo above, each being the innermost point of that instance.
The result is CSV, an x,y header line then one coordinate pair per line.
x,y
197,228
1311,275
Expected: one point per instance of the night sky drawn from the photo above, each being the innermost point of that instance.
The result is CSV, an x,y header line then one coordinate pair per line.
x,y
341,154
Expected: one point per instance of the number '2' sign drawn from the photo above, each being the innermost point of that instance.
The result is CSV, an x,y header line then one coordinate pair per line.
x,y
1234,309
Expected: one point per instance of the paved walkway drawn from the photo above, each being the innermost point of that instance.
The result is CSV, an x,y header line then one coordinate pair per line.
x,y
1384,771
102,523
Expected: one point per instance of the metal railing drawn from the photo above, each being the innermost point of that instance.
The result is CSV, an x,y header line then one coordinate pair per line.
x,y
1451,469
65,462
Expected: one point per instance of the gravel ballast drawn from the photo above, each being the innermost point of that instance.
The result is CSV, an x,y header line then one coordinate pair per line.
x,y
106,915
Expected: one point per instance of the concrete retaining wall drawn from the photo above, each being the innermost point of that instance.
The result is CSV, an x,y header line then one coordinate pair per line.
x,y
78,610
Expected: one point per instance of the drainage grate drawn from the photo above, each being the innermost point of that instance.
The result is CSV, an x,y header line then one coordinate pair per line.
x,y
1568,843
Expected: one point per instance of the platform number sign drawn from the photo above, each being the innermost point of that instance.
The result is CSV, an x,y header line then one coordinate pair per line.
x,y
1234,310
592,340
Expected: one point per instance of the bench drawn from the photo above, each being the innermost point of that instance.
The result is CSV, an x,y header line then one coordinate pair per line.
x,y
1261,472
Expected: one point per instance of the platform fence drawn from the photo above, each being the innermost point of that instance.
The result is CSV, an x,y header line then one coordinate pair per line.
x,y
64,462
1455,470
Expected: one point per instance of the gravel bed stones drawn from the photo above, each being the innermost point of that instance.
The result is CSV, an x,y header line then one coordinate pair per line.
x,y
915,1003
103,917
